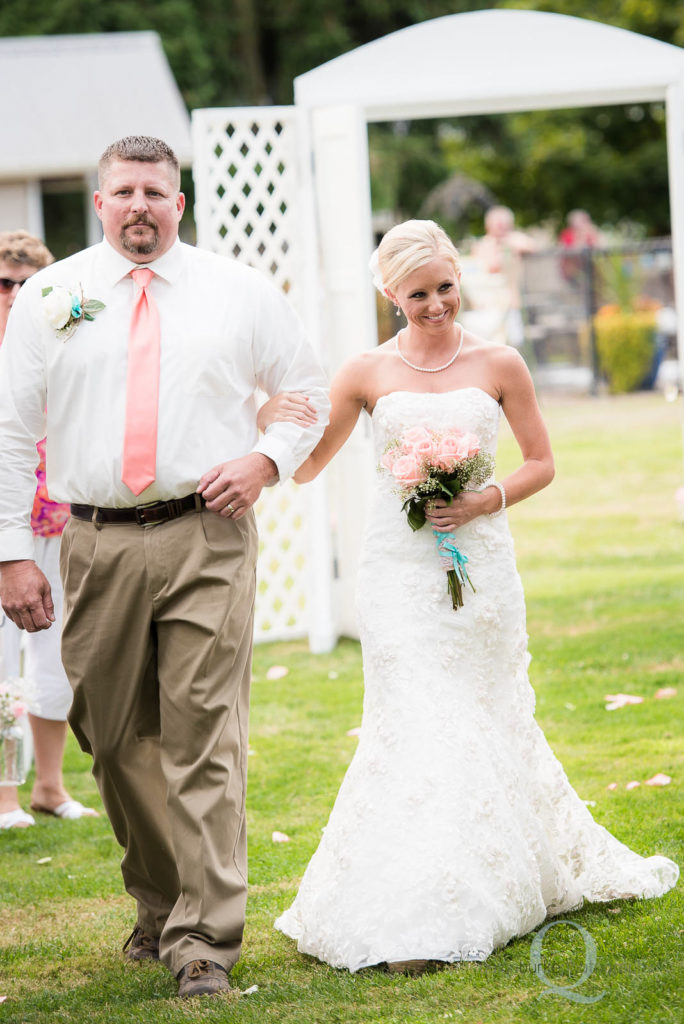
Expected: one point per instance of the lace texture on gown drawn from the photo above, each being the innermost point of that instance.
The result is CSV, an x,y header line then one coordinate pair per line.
x,y
455,828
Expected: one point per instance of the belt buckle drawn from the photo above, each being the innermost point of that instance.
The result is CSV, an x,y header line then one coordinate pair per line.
x,y
141,510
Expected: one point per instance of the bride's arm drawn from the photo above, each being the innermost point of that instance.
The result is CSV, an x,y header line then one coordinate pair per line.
x,y
519,403
286,407
347,399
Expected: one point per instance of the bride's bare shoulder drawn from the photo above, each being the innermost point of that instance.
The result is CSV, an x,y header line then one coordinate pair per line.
x,y
507,361
493,353
380,354
497,368
365,365
365,375
478,343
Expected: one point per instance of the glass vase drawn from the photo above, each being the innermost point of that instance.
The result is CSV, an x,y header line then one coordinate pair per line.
x,y
12,756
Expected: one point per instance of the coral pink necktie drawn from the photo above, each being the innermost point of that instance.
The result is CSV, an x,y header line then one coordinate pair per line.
x,y
142,388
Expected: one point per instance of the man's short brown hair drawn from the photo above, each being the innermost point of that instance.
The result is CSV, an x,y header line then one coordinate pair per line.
x,y
143,148
21,248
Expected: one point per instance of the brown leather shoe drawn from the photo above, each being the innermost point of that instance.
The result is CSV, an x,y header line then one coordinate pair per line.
x,y
203,978
412,967
141,946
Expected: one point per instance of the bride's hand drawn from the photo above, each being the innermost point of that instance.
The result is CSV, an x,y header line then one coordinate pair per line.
x,y
445,516
286,407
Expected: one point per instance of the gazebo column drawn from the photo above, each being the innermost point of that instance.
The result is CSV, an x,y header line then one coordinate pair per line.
x,y
35,224
92,221
340,146
675,152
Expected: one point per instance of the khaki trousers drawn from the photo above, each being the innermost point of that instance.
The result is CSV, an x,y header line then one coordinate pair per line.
x,y
157,645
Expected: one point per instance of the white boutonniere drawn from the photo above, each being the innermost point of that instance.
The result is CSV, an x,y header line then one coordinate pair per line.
x,y
65,309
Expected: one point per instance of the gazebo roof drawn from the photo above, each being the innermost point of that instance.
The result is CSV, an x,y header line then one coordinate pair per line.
x,y
494,61
73,95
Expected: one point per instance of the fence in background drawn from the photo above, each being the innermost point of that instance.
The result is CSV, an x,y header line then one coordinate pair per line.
x,y
562,290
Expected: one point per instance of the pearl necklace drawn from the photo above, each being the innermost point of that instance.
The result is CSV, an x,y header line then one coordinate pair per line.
x,y
431,369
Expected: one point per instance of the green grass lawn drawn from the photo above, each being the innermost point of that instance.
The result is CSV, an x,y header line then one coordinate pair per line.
x,y
602,558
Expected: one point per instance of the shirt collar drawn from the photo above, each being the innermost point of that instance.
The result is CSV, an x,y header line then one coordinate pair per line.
x,y
115,267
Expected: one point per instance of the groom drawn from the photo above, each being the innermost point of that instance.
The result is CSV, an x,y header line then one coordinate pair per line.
x,y
150,352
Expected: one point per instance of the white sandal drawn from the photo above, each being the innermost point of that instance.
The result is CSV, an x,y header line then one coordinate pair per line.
x,y
15,819
70,809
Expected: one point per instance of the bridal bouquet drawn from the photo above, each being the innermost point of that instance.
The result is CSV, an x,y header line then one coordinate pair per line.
x,y
428,464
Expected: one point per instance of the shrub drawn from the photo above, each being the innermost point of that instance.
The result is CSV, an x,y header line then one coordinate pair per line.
x,y
625,345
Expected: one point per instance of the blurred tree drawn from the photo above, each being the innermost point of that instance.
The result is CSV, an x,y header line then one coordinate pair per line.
x,y
611,161
661,19
298,35
228,52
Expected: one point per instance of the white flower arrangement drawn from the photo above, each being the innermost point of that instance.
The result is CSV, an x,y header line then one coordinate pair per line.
x,y
66,308
16,698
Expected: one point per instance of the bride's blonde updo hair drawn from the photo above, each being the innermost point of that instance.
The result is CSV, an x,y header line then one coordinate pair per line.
x,y
408,246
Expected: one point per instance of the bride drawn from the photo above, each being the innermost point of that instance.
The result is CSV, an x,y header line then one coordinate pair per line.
x,y
455,828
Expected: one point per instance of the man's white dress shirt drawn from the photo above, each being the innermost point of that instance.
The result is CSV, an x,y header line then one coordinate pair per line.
x,y
225,331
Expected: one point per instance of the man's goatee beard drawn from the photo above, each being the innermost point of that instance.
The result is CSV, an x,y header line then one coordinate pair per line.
x,y
139,248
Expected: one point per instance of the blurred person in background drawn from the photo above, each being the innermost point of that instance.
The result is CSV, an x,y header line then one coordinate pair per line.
x,y
21,255
493,276
580,233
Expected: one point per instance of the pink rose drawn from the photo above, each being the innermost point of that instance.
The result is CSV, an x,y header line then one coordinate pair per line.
x,y
473,443
424,450
408,470
18,708
389,458
452,435
450,450
415,436
444,461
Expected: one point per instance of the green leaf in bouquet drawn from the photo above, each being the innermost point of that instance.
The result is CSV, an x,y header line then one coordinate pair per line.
x,y
415,512
46,291
452,487
92,306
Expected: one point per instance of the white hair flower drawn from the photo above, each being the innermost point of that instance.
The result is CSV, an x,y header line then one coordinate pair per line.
x,y
374,267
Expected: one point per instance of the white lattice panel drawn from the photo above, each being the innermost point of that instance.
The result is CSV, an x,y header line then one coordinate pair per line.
x,y
253,199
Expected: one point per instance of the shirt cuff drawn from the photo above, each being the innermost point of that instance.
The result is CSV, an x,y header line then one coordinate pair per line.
x,y
281,453
17,544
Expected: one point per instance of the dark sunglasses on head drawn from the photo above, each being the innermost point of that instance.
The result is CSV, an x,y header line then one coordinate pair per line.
x,y
7,284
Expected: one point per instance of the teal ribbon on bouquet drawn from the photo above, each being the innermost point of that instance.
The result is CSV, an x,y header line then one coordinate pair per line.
x,y
455,563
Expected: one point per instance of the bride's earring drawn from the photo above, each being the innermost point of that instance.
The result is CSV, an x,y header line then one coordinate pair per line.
x,y
397,311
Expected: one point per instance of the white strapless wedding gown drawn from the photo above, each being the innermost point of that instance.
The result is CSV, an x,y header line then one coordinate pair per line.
x,y
455,828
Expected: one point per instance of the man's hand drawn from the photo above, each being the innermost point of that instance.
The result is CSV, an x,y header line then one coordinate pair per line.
x,y
231,488
26,596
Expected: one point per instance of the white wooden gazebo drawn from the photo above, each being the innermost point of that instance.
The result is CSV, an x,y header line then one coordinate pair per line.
x,y
288,189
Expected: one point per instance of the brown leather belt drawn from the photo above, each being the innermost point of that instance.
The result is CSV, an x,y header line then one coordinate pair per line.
x,y
143,515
